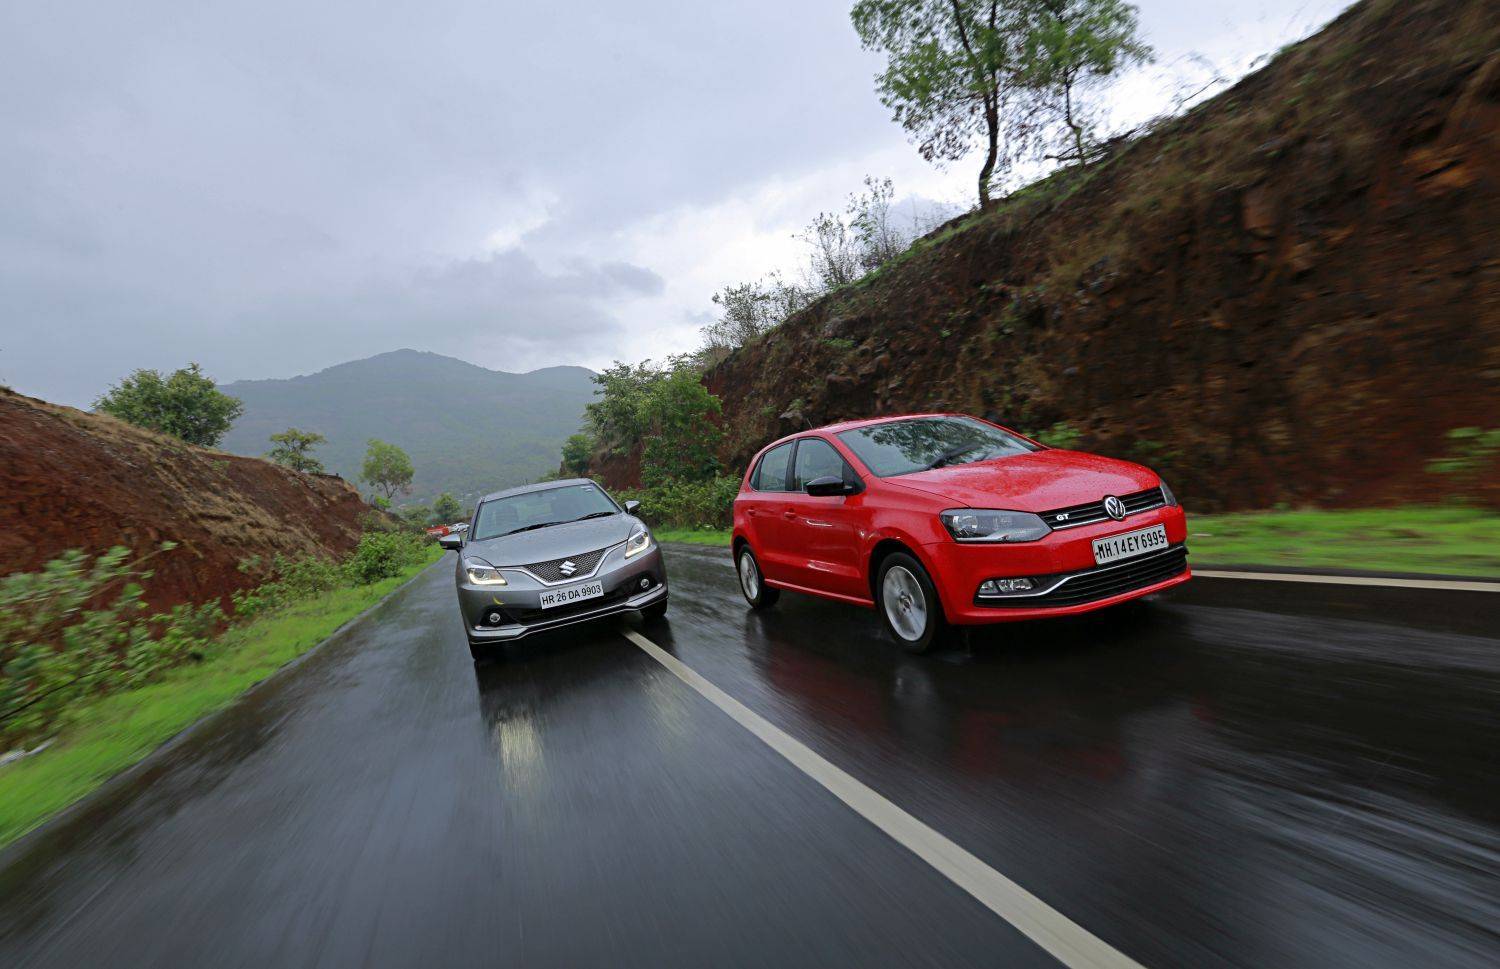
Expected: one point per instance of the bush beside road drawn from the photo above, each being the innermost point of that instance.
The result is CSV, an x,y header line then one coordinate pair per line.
x,y
98,735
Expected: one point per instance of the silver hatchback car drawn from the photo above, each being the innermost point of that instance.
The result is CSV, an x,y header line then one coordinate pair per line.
x,y
552,554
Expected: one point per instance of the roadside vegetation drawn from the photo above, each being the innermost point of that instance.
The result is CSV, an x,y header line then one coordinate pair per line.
x,y
97,681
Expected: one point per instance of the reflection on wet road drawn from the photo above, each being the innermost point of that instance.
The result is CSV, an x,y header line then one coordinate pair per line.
x,y
1244,774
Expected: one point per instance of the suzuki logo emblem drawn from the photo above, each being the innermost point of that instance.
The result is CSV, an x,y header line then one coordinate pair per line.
x,y
568,567
1114,508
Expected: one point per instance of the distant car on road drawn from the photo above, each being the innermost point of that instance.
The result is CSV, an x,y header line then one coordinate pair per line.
x,y
552,554
938,519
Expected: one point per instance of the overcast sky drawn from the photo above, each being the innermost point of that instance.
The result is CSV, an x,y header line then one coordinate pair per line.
x,y
274,187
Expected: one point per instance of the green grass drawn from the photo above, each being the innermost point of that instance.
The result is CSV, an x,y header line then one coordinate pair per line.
x,y
1438,540
1443,540
104,736
693,536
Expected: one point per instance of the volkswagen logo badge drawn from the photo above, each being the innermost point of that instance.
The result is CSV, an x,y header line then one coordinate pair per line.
x,y
1114,508
568,567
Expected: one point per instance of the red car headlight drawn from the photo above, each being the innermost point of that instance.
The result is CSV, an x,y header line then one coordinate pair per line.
x,y
993,525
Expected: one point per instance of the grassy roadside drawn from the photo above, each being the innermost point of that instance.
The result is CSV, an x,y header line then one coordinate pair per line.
x,y
104,736
1439,540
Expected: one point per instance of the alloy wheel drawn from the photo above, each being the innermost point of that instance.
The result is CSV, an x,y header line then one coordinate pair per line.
x,y
904,602
749,576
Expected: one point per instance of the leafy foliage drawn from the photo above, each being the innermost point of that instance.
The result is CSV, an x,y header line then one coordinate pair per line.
x,y
1068,48
78,627
382,555
187,404
446,510
689,504
387,469
576,452
663,410
1006,74
293,448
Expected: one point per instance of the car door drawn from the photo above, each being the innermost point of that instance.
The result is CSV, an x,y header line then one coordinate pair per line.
x,y
826,528
768,511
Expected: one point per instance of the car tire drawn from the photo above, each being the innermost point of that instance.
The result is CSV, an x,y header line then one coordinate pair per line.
x,y
908,603
752,584
655,612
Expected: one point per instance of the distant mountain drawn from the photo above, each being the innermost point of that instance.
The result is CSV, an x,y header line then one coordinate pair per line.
x,y
468,430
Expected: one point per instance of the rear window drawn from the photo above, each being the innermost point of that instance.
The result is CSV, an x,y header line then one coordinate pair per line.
x,y
770,474
920,443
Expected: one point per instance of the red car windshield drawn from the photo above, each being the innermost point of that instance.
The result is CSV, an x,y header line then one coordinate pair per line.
x,y
921,443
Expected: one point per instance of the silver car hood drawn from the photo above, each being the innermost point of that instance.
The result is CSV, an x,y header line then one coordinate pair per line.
x,y
555,542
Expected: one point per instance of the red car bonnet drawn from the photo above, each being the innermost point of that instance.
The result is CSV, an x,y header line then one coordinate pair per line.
x,y
1031,482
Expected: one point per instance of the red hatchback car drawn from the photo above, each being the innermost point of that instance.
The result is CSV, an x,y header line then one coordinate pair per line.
x,y
943,518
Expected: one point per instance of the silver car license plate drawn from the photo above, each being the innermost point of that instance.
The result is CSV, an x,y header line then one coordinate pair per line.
x,y
1130,544
571,594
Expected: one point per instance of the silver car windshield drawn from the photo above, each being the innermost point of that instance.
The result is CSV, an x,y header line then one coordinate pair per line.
x,y
538,509
918,444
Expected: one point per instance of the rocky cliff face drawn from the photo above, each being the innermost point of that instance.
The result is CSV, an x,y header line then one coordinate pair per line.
x,y
1287,295
74,480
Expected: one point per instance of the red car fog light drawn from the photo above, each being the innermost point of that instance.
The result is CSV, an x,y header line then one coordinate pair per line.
x,y
1001,587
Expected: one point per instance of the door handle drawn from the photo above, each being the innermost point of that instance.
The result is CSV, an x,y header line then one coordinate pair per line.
x,y
789,514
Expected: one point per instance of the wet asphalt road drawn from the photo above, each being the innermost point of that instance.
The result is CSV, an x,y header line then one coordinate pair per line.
x,y
1243,774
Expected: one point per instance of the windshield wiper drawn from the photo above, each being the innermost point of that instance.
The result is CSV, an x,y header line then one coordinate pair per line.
x,y
595,514
952,453
527,528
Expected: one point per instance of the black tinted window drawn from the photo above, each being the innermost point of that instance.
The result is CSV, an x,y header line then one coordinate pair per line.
x,y
901,447
817,459
770,474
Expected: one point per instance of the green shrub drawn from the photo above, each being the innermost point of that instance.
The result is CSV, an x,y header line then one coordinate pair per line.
x,y
77,627
383,555
689,504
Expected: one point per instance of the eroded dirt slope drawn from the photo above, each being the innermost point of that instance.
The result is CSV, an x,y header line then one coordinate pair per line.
x,y
69,479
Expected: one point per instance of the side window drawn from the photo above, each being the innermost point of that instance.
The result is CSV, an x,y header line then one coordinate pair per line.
x,y
816,458
770,474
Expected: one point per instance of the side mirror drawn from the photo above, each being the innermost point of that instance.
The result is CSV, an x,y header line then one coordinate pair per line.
x,y
828,486
453,541
632,506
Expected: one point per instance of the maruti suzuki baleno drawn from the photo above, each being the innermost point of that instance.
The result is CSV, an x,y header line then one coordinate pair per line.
x,y
939,519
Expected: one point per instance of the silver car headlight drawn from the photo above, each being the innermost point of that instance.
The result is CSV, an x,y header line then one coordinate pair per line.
x,y
993,525
638,542
1166,493
480,572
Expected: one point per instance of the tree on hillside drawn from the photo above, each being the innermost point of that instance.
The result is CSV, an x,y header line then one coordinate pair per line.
x,y
665,411
446,509
387,469
187,404
293,448
1069,46
681,439
948,78
576,451
1004,71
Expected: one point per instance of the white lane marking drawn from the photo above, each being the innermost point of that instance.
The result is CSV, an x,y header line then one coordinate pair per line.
x,y
1449,585
1067,941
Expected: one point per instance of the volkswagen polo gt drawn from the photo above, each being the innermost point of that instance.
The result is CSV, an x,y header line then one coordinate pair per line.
x,y
939,519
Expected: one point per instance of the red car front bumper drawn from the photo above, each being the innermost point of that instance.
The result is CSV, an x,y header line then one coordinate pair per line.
x,y
958,568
